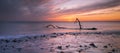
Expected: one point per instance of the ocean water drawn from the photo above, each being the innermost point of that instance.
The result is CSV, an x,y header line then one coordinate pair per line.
x,y
16,37
29,28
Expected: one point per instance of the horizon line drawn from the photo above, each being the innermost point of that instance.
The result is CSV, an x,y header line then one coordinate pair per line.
x,y
50,21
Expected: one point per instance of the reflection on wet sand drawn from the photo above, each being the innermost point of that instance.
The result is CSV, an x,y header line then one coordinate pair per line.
x,y
62,43
85,44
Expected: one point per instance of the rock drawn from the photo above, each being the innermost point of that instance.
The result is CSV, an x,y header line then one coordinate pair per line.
x,y
4,40
19,49
61,52
67,46
6,45
93,45
7,41
80,46
109,52
110,45
66,33
29,37
80,50
74,34
105,46
35,37
12,46
4,49
19,40
98,32
51,50
26,40
61,34
1,40
54,33
113,50
53,36
41,48
85,46
14,40
43,35
59,47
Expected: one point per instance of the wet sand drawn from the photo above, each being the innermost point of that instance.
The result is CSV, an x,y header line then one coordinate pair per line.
x,y
71,42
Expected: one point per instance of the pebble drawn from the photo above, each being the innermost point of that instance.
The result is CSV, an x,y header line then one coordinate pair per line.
x,y
59,47
7,41
80,46
19,49
109,52
43,35
85,46
67,46
61,34
61,52
105,46
53,36
113,50
14,40
80,50
41,48
35,37
93,45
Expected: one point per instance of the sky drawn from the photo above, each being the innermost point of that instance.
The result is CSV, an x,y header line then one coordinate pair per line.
x,y
59,10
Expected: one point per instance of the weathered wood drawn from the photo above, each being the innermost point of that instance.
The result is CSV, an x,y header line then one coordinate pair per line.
x,y
77,20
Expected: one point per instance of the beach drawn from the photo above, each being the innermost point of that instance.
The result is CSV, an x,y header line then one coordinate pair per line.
x,y
36,38
69,42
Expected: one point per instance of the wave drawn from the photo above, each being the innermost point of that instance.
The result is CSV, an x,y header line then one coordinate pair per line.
x,y
25,38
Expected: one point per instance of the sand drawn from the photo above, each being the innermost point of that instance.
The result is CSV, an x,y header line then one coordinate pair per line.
x,y
71,42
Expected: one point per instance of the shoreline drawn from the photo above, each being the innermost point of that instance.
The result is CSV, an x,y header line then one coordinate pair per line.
x,y
67,33
68,42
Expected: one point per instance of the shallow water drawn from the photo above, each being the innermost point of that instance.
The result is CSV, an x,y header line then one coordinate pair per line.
x,y
35,38
62,43
21,28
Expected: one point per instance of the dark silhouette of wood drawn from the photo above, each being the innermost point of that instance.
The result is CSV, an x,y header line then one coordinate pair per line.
x,y
55,26
48,26
77,20
81,28
79,23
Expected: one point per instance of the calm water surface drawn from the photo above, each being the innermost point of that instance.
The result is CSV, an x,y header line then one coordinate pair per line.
x,y
36,44
39,28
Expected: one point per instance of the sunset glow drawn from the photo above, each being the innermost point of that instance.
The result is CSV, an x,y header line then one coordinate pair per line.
x,y
60,10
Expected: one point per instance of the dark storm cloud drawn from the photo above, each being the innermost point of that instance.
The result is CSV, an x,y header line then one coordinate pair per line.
x,y
8,8
92,7
17,9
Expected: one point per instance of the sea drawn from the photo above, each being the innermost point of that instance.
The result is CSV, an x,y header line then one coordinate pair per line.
x,y
32,28
35,37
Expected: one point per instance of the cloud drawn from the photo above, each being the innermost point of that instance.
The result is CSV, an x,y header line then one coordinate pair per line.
x,y
92,7
103,11
40,10
7,8
24,9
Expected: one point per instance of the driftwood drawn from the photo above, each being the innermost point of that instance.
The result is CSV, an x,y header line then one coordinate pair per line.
x,y
77,20
55,26
88,29
50,26
58,27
